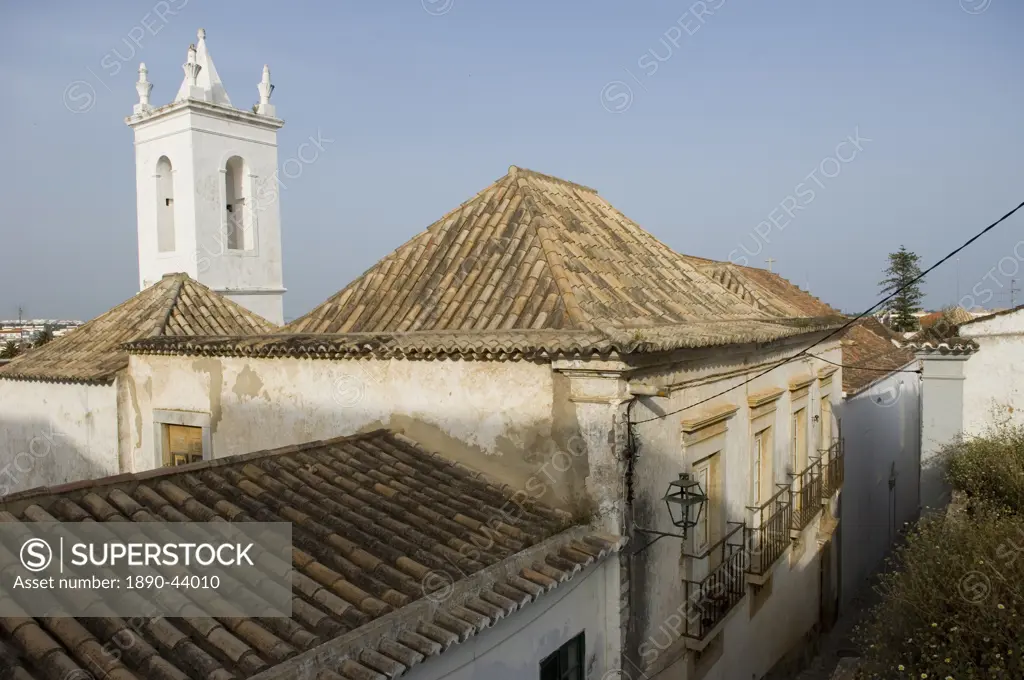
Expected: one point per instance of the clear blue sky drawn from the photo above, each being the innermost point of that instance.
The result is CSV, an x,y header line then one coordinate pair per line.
x,y
428,102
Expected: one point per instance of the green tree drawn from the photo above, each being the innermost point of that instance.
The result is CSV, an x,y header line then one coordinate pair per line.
x,y
45,336
903,269
10,350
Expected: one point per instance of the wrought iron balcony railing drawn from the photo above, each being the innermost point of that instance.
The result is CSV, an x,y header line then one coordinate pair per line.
x,y
807,488
833,459
709,600
768,535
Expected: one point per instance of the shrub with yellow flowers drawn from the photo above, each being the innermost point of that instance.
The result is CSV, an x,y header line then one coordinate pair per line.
x,y
953,595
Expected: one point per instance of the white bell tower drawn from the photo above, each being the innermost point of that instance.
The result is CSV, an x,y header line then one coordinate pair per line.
x,y
207,187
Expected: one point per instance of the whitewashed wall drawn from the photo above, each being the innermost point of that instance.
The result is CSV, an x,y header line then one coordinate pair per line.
x,y
942,413
514,648
994,376
54,433
882,429
198,143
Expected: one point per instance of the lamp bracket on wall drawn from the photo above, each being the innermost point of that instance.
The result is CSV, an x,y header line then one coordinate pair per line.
x,y
685,500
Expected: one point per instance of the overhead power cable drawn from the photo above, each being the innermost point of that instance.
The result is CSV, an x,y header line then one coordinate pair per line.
x,y
842,328
865,368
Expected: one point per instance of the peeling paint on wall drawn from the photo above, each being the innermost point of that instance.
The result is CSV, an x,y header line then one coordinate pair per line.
x,y
214,369
137,420
247,384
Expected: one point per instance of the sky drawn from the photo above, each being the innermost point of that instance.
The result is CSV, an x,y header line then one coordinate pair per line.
x,y
820,135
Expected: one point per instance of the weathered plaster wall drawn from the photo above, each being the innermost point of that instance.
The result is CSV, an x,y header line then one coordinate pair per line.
x,y
54,433
755,637
882,429
505,419
514,648
994,375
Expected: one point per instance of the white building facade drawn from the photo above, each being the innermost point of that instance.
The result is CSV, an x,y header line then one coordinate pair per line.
x,y
206,184
881,416
881,492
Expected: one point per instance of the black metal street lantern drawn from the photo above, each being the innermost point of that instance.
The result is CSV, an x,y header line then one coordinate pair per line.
x,y
685,501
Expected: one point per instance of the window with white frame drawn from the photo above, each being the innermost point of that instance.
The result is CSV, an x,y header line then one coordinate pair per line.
x,y
761,465
799,447
826,423
182,437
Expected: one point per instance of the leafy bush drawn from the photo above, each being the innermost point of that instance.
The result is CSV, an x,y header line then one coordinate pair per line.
x,y
954,608
953,602
989,470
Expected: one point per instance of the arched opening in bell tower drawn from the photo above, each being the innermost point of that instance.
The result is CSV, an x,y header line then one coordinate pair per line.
x,y
238,221
164,206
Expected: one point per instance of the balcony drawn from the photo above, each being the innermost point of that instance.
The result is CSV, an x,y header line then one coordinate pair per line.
x,y
768,536
710,600
808,487
834,460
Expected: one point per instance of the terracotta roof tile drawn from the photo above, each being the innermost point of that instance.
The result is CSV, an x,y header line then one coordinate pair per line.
x,y
373,516
494,345
764,289
870,352
942,336
953,316
176,306
535,252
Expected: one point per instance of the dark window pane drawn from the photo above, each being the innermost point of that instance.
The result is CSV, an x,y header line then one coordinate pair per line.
x,y
573,653
549,668
566,663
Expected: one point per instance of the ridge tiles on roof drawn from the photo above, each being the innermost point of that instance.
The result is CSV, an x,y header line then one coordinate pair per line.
x,y
533,252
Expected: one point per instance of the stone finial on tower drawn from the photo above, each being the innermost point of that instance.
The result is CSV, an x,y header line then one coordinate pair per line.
x,y
201,80
265,108
192,69
143,87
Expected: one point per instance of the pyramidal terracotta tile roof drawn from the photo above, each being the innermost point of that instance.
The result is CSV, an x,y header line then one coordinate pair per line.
x,y
176,306
764,289
397,555
870,352
535,252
